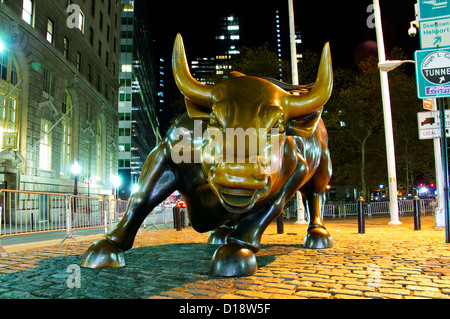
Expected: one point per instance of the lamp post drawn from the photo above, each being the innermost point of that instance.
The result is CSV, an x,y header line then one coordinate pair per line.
x,y
116,181
76,169
389,135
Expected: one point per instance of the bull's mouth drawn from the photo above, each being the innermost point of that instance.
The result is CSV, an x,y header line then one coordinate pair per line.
x,y
240,200
237,197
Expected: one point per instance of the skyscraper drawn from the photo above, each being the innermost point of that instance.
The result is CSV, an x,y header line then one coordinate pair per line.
x,y
139,96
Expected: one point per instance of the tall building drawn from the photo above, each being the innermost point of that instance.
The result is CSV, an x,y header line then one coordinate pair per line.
x,y
140,95
227,43
58,94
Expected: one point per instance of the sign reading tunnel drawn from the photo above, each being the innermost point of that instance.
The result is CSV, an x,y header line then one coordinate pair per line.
x,y
433,73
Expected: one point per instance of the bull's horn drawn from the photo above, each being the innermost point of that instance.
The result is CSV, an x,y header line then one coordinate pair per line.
x,y
298,105
191,89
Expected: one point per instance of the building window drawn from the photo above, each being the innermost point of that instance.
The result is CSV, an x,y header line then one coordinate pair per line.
x,y
66,142
99,48
28,11
79,61
99,151
100,21
48,81
45,147
89,74
9,120
50,30
66,48
91,36
81,20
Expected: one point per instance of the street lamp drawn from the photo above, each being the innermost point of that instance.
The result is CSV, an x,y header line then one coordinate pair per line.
x,y
389,135
389,65
116,181
76,169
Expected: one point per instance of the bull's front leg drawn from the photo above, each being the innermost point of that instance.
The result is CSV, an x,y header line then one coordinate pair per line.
x,y
156,183
237,256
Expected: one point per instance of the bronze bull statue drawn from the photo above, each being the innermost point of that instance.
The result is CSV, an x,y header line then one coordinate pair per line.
x,y
234,190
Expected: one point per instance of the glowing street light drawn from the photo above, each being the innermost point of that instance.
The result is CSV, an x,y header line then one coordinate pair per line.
x,y
2,46
116,181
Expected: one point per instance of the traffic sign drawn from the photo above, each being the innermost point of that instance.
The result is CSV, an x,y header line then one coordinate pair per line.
x,y
428,104
434,33
431,9
432,73
430,124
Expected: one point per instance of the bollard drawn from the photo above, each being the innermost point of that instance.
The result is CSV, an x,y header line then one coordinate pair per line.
x,y
183,218
176,218
361,226
416,202
280,225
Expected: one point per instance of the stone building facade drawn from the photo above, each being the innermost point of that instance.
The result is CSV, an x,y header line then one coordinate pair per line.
x,y
59,94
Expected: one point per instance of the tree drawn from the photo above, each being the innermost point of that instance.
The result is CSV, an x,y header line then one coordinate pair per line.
x,y
261,62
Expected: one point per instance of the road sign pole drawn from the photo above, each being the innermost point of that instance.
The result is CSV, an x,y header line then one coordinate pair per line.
x,y
444,154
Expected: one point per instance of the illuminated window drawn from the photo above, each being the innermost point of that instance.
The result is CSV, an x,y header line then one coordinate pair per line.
x,y
50,30
28,11
99,151
126,67
9,108
234,37
81,22
233,27
45,147
66,142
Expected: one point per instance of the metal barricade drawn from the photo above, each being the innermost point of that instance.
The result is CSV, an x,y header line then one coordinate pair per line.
x,y
159,218
26,212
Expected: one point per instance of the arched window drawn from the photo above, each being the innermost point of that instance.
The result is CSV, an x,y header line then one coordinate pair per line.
x,y
9,96
66,143
100,163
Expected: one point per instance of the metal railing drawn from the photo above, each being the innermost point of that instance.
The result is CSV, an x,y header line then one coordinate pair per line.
x,y
340,210
26,212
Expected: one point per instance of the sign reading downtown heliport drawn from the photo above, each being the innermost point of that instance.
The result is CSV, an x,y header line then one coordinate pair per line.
x,y
433,73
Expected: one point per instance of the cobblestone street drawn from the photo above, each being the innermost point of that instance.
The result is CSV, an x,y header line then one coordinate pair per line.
x,y
393,262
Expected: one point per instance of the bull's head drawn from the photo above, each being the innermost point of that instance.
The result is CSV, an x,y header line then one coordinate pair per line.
x,y
257,107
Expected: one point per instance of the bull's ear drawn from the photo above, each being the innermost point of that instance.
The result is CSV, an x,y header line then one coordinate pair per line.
x,y
304,125
197,112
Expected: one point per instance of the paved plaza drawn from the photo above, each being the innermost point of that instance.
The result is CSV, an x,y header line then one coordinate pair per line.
x,y
387,262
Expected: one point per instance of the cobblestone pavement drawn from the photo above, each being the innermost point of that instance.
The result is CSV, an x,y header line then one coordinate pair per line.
x,y
393,262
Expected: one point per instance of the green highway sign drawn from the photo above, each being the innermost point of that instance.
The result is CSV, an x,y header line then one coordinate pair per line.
x,y
431,9
435,33
432,73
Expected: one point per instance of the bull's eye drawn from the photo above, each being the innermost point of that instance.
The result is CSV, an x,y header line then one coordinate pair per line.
x,y
214,123
279,125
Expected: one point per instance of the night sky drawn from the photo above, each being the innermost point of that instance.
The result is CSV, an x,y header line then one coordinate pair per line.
x,y
342,23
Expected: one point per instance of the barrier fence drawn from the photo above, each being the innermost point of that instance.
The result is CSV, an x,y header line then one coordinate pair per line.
x,y
340,210
26,212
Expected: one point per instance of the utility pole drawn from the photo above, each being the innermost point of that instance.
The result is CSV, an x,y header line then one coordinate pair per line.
x,y
389,135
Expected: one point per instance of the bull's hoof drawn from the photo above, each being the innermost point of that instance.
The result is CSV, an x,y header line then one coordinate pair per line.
x,y
103,253
219,235
318,238
233,260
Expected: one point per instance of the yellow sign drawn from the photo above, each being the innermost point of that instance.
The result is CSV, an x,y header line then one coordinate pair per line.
x,y
9,140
